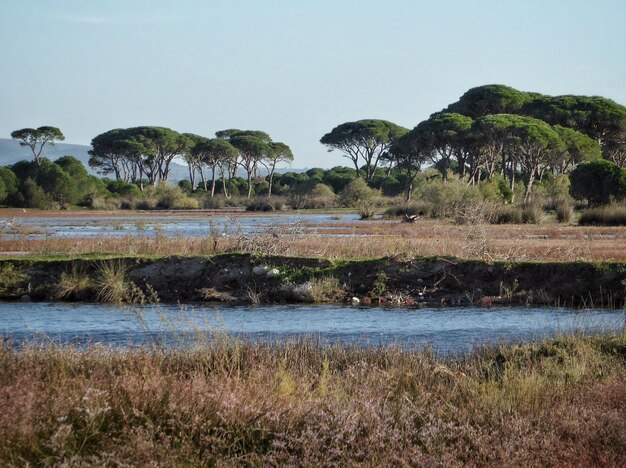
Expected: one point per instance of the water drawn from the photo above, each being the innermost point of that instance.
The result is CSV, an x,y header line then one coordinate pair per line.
x,y
446,330
187,226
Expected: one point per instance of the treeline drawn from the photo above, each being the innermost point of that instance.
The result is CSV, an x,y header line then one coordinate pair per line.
x,y
44,184
495,138
492,130
143,155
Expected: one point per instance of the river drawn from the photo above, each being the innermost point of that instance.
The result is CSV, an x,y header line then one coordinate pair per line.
x,y
445,330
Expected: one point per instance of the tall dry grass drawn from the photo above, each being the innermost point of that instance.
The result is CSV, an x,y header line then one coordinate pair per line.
x,y
560,402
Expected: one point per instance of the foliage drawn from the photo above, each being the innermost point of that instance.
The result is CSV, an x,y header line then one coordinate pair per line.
x,y
58,184
111,282
598,182
357,194
32,195
364,140
553,402
122,188
37,138
171,198
10,185
611,215
490,99
448,198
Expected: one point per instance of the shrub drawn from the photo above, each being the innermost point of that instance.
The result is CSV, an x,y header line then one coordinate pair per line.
x,y
10,184
598,182
357,193
415,208
111,282
33,196
173,198
104,203
73,284
507,214
325,289
613,215
447,198
564,210
311,195
260,204
185,186
122,188
212,203
532,212
58,184
490,190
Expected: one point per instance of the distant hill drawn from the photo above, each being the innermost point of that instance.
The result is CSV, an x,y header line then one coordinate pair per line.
x,y
11,152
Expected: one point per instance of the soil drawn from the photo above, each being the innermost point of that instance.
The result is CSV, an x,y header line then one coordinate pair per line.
x,y
231,278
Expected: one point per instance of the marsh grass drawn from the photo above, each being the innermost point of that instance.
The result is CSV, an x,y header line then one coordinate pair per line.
x,y
556,402
73,283
612,215
426,237
111,281
325,289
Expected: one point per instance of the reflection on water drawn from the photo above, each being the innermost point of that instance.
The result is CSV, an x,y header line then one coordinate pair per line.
x,y
445,330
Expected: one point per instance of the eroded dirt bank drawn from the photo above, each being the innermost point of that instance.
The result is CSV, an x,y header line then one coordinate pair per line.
x,y
245,278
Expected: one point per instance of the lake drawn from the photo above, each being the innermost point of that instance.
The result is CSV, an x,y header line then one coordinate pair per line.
x,y
445,330
169,225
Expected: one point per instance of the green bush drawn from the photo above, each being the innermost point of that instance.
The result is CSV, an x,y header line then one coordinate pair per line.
x,y
357,193
599,182
172,198
58,184
447,198
10,184
122,188
33,196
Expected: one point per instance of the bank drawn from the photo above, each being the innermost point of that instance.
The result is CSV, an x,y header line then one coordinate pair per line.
x,y
248,278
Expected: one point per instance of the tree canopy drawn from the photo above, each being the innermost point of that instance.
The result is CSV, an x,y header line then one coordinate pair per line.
x,y
598,182
37,138
490,99
137,153
364,140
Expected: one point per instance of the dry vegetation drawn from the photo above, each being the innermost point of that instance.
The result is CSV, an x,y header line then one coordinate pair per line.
x,y
364,239
560,402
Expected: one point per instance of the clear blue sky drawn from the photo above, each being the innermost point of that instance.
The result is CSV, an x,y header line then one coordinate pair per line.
x,y
293,68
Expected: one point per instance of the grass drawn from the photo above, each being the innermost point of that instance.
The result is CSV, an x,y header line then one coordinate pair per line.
x,y
74,283
360,239
111,281
614,215
557,402
549,241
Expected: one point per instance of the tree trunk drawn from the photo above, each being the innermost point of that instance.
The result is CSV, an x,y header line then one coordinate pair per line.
x,y
224,184
212,181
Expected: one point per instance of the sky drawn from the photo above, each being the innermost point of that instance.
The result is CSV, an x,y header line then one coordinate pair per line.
x,y
293,68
